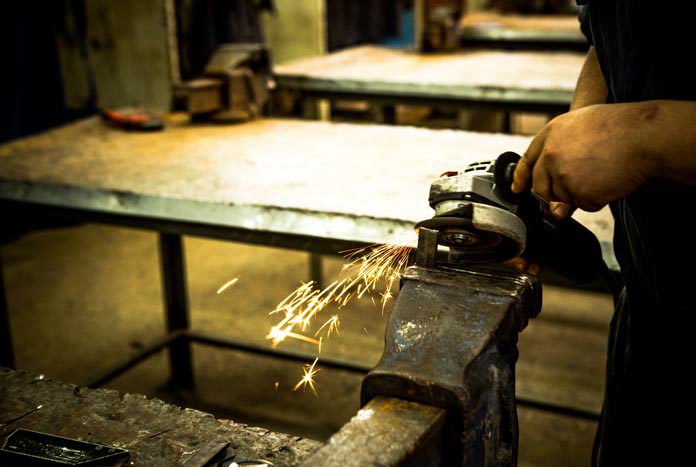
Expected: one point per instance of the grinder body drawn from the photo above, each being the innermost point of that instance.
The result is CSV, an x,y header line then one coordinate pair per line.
x,y
480,219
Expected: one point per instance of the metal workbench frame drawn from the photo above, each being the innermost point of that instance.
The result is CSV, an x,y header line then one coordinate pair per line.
x,y
174,287
384,95
179,336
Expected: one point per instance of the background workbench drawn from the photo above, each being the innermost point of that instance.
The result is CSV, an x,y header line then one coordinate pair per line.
x,y
535,81
553,31
155,433
327,184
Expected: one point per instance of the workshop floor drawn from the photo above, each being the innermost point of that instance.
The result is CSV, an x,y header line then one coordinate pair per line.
x,y
81,298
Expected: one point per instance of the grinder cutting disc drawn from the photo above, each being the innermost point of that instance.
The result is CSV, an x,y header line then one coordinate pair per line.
x,y
485,234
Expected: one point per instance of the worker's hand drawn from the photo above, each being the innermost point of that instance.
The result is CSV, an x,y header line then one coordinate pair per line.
x,y
587,157
558,211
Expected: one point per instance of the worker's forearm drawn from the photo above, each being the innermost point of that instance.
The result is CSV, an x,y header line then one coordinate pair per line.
x,y
591,88
668,130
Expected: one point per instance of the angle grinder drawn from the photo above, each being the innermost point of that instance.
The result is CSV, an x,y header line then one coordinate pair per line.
x,y
480,220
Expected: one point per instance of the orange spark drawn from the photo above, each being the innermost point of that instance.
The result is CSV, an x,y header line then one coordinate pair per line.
x,y
365,270
333,323
227,285
308,377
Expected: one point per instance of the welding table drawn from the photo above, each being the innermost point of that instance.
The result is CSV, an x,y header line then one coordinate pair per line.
x,y
153,432
314,186
502,80
550,31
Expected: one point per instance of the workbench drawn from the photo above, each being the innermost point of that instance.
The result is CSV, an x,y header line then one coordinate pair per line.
x,y
550,31
315,186
155,433
503,80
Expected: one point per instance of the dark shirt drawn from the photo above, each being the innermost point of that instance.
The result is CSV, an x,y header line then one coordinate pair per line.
x,y
646,52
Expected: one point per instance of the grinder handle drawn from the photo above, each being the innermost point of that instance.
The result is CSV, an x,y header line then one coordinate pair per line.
x,y
565,247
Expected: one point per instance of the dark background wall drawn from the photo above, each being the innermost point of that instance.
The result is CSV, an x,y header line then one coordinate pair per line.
x,y
31,93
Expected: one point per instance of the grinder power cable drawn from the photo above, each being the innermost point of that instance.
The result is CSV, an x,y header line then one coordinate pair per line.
x,y
481,220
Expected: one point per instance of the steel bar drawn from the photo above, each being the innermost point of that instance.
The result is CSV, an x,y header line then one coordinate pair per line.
x,y
371,229
386,432
157,346
6,349
280,353
316,270
523,104
207,338
176,305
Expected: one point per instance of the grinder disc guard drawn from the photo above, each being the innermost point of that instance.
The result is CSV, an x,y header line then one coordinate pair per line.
x,y
478,233
472,219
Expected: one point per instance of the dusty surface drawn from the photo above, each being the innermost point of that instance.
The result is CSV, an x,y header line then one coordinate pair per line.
x,y
310,168
471,73
81,299
155,433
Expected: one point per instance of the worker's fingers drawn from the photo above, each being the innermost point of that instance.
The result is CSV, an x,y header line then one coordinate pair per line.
x,y
523,173
524,265
560,210
541,182
559,191
518,263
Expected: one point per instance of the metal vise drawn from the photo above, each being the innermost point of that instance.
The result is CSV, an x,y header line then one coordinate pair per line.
x,y
444,391
235,85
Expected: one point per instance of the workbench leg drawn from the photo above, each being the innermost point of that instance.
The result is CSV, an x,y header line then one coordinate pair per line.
x,y
176,306
316,109
507,122
486,120
6,350
386,114
316,272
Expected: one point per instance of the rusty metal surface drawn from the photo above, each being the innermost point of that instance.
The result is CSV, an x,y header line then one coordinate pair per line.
x,y
315,179
155,433
451,343
386,432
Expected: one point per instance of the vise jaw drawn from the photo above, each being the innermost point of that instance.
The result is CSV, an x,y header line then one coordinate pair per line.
x,y
451,342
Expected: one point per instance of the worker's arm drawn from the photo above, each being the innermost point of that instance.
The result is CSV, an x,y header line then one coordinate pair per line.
x,y
600,153
590,88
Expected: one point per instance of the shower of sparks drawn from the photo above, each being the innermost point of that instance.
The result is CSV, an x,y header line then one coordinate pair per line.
x,y
227,285
367,271
333,323
308,377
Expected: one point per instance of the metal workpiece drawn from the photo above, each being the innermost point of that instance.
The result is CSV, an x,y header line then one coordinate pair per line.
x,y
451,342
386,431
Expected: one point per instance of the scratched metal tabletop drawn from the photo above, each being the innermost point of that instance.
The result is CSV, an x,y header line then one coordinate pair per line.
x,y
323,180
155,433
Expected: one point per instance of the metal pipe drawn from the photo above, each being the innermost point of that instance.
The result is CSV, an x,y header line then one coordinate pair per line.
x,y
176,306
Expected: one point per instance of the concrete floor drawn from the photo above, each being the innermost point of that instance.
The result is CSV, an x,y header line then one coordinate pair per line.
x,y
82,298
